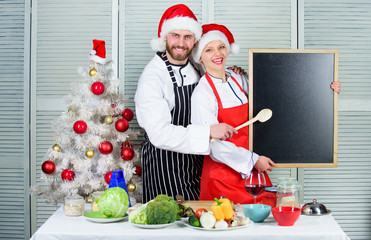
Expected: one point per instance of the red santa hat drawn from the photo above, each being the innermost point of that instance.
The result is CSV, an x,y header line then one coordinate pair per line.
x,y
177,17
98,54
213,32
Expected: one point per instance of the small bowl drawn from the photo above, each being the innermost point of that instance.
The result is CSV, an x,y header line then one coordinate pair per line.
x,y
256,212
286,216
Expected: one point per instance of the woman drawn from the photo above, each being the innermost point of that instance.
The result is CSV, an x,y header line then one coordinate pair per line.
x,y
221,97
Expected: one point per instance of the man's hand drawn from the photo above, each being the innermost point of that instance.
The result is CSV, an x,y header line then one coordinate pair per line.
x,y
222,131
336,86
264,164
237,70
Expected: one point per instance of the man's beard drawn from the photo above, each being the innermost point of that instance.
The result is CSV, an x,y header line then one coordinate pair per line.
x,y
178,57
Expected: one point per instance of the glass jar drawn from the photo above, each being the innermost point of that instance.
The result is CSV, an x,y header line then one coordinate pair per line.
x,y
96,196
288,192
74,205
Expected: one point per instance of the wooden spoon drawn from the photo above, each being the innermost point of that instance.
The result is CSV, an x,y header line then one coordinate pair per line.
x,y
263,116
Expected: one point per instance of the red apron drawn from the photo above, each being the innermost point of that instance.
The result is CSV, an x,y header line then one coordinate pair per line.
x,y
219,179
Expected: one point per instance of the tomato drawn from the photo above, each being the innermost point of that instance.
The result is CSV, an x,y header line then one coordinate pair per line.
x,y
200,211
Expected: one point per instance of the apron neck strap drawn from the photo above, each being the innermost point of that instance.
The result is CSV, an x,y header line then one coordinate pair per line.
x,y
169,68
212,85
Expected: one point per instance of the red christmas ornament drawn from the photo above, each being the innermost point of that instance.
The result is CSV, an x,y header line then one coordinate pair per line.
x,y
97,88
138,170
128,114
127,143
68,175
107,177
115,113
80,127
48,167
105,147
127,153
121,125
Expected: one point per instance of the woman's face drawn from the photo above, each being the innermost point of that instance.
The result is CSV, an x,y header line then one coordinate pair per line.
x,y
214,56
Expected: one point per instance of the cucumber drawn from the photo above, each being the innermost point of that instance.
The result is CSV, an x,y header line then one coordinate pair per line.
x,y
193,221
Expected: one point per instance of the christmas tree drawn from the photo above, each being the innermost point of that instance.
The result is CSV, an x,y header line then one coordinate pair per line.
x,y
92,137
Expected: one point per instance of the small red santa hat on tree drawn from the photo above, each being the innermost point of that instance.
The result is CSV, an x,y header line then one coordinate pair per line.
x,y
177,17
214,32
98,54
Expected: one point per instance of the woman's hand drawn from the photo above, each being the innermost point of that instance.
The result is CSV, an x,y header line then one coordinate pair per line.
x,y
264,164
336,86
222,131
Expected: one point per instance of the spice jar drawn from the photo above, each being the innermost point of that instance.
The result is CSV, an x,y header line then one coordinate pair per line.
x,y
74,205
288,192
96,196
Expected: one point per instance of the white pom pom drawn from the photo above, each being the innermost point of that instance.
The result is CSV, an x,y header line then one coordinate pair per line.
x,y
235,48
158,44
93,52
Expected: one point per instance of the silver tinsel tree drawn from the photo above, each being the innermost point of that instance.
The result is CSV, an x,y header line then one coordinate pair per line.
x,y
92,138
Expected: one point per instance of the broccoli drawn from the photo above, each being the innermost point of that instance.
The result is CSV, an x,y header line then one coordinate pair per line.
x,y
163,209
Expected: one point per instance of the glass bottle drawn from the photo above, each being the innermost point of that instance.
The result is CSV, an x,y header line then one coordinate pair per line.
x,y
96,196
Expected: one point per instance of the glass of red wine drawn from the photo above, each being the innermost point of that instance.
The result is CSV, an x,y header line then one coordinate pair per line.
x,y
255,184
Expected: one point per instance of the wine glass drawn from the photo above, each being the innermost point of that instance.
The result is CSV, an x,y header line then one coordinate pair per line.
x,y
255,184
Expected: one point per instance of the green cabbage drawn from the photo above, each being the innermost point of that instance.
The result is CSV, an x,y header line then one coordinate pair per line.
x,y
114,202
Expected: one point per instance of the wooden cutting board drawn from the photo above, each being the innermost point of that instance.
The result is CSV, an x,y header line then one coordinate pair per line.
x,y
198,204
193,204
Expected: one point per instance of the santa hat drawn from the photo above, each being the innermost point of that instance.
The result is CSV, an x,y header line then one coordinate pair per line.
x,y
98,54
177,17
214,32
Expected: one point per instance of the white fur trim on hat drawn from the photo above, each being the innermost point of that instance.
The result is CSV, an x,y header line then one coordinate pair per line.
x,y
176,23
95,58
210,37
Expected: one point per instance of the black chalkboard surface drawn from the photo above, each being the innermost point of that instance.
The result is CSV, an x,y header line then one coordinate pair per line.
x,y
295,85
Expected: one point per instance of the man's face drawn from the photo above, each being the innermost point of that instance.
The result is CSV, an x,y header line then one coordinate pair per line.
x,y
179,45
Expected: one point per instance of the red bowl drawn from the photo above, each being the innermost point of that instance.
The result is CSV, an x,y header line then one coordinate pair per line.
x,y
286,216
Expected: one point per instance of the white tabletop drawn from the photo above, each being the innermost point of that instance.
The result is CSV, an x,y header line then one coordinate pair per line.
x,y
59,227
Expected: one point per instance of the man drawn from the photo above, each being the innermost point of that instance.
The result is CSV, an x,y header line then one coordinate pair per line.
x,y
162,102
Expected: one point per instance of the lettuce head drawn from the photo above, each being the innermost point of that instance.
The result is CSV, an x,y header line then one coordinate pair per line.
x,y
114,202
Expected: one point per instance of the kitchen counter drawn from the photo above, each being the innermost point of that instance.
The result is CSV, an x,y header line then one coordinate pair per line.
x,y
60,227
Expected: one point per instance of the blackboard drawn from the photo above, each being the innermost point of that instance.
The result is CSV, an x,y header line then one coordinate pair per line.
x,y
295,85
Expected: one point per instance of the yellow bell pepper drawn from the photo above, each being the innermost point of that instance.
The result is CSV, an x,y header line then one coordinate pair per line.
x,y
222,209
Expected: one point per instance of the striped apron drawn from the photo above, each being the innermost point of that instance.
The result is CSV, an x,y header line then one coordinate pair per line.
x,y
168,172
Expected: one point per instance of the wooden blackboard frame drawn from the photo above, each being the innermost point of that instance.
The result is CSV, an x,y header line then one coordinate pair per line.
x,y
252,54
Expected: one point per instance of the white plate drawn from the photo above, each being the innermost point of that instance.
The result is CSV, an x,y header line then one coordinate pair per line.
x,y
153,226
105,220
218,229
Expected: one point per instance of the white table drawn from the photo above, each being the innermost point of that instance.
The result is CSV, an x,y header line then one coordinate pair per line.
x,y
59,227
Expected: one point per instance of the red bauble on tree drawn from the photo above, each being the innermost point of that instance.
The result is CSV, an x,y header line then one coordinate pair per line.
x,y
138,170
105,147
128,114
80,127
68,175
107,177
48,167
121,125
97,88
127,153
127,143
